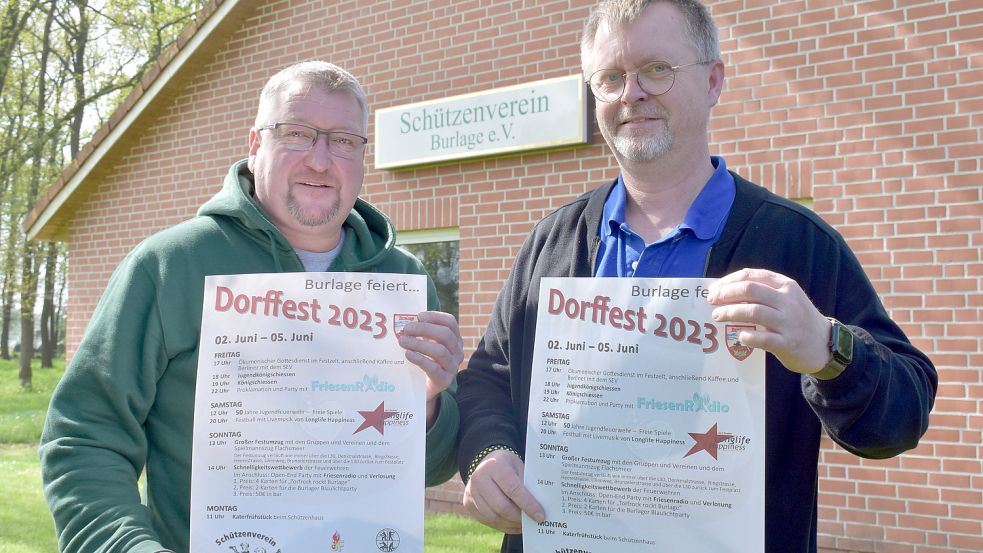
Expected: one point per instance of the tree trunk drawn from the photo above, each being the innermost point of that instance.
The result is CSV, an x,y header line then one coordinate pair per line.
x,y
48,322
62,279
80,41
5,313
29,276
28,296
9,261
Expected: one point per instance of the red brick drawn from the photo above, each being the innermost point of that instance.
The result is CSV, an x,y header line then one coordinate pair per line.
x,y
853,78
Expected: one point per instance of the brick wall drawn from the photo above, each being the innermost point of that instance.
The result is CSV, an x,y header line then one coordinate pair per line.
x,y
871,108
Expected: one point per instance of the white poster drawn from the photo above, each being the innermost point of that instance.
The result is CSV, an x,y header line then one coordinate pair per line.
x,y
309,423
646,421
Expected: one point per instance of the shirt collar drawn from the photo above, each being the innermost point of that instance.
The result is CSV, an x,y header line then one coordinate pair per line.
x,y
614,210
704,217
710,208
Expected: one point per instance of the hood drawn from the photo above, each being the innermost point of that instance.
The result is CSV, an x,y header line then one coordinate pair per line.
x,y
369,234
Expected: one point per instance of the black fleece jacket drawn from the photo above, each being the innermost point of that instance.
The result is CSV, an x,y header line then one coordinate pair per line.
x,y
878,407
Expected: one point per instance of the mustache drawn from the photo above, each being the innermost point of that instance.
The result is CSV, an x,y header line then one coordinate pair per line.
x,y
625,114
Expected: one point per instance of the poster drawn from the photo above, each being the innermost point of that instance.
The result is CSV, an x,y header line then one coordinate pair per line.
x,y
309,422
646,421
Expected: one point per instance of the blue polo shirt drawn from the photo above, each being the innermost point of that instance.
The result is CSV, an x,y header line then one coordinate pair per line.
x,y
680,253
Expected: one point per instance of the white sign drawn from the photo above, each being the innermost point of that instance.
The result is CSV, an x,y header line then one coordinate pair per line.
x,y
543,114
309,427
646,421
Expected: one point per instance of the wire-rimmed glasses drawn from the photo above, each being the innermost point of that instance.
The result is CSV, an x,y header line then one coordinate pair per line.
x,y
655,78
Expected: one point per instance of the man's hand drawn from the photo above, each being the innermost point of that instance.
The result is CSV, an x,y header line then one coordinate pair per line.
x,y
496,497
433,342
789,325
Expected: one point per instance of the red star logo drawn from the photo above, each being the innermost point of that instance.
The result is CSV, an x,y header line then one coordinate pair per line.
x,y
707,441
375,419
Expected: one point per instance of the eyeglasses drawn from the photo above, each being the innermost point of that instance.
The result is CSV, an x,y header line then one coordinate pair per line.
x,y
655,78
294,136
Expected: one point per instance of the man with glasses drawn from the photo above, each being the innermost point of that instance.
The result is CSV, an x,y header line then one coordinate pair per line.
x,y
126,402
835,359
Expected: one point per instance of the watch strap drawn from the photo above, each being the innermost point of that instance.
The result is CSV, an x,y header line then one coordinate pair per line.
x,y
841,354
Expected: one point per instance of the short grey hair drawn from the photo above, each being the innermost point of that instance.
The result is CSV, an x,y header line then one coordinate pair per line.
x,y
316,73
619,13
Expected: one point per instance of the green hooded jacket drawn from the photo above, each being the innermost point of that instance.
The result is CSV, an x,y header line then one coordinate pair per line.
x,y
126,402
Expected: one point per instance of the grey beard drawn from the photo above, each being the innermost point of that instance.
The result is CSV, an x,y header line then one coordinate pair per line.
x,y
642,149
310,221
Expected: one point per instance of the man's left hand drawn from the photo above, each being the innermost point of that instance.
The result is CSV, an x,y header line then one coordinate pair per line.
x,y
433,342
788,324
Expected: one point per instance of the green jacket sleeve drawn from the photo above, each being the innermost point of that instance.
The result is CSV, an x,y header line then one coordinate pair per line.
x,y
442,439
442,436
93,446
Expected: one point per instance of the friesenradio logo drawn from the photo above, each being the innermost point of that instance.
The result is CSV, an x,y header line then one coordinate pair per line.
x,y
698,403
367,384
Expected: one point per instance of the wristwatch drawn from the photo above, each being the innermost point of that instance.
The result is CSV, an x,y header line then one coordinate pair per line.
x,y
841,348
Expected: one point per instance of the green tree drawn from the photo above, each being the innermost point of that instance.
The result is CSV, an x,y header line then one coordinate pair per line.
x,y
64,66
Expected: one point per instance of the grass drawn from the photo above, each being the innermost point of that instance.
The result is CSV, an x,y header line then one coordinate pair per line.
x,y
24,518
27,526
22,411
444,533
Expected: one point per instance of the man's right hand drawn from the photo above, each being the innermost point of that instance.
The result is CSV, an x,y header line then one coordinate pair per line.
x,y
496,496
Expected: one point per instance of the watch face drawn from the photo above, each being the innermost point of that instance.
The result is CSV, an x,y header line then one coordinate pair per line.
x,y
844,342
